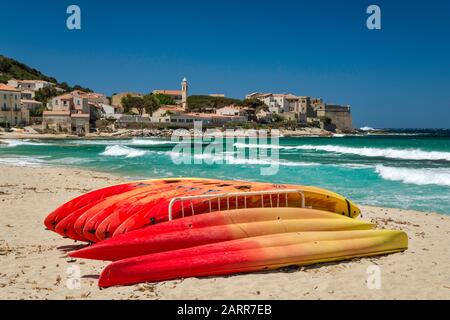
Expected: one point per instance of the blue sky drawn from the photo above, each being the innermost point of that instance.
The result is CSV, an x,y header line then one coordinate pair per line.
x,y
395,77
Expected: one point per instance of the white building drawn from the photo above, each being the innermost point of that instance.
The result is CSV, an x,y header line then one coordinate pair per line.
x,y
177,115
31,105
231,110
286,104
11,111
33,85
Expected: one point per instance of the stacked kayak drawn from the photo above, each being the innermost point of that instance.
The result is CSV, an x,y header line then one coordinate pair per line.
x,y
115,210
150,236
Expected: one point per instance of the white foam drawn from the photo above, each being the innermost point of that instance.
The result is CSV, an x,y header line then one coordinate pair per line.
x,y
122,151
426,176
22,162
231,159
71,160
150,142
366,128
18,142
405,154
260,146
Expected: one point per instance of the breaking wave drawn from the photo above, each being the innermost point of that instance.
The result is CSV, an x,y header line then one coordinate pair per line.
x,y
18,142
23,162
436,176
122,151
150,142
405,154
366,129
230,159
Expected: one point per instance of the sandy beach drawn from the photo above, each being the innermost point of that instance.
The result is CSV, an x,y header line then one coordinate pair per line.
x,y
33,263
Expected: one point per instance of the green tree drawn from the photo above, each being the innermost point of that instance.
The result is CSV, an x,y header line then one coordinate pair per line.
x,y
64,86
208,103
254,104
129,103
151,103
45,94
78,87
37,112
277,117
164,99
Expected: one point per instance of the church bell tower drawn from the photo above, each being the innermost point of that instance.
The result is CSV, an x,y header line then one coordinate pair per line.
x,y
184,93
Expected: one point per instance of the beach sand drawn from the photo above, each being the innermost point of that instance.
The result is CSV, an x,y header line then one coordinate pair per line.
x,y
33,263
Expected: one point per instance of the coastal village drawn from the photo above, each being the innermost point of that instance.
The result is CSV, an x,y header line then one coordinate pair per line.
x,y
83,113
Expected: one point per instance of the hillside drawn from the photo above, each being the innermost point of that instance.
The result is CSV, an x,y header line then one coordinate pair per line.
x,y
13,69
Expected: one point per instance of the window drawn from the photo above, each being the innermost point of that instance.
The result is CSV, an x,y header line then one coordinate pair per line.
x,y
5,96
56,102
78,102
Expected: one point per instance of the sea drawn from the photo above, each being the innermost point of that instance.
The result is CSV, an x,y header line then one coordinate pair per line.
x,y
408,169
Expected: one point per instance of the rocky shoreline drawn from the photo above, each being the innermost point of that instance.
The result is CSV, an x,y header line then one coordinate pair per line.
x,y
167,133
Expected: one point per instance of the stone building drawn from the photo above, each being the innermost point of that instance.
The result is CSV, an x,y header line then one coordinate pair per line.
x,y
31,105
11,111
69,113
31,85
340,116
232,110
290,106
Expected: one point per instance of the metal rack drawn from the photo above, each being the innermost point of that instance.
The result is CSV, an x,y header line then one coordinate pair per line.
x,y
236,195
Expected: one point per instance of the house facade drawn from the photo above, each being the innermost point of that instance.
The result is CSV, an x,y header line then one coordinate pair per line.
x,y
177,115
290,106
11,111
31,105
32,85
231,110
69,113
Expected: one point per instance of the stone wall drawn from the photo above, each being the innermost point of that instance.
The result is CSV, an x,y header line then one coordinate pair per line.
x,y
340,116
57,123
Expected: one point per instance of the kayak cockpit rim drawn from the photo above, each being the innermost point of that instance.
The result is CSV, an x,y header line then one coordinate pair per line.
x,y
236,195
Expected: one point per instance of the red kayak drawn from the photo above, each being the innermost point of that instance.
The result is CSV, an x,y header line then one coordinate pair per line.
x,y
216,227
107,226
66,226
159,213
253,254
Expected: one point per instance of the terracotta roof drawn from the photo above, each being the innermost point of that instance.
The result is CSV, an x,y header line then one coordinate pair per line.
x,y
33,81
232,106
56,113
168,92
4,87
171,108
211,115
66,96
30,101
80,115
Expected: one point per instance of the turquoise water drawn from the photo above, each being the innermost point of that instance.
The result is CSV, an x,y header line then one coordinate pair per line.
x,y
410,171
